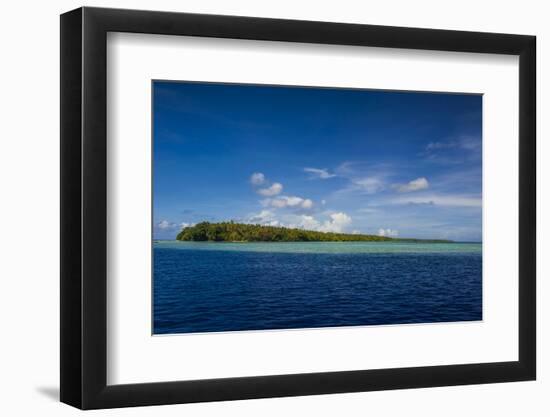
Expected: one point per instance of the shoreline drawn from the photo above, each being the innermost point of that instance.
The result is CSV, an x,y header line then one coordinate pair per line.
x,y
395,241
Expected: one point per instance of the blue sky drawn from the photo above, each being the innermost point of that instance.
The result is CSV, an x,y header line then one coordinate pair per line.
x,y
401,164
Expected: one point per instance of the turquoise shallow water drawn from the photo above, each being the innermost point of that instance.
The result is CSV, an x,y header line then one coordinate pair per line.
x,y
324,247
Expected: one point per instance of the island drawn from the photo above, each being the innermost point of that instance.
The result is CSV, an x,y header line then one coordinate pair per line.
x,y
242,232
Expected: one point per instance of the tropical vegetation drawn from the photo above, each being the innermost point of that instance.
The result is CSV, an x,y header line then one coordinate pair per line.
x,y
242,232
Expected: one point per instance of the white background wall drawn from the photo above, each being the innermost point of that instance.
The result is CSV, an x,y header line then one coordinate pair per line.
x,y
29,219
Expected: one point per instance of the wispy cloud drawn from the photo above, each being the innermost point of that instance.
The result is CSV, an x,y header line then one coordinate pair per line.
x,y
369,185
368,210
453,151
348,168
363,177
319,173
445,200
463,142
361,186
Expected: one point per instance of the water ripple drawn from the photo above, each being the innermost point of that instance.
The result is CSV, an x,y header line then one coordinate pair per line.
x,y
201,289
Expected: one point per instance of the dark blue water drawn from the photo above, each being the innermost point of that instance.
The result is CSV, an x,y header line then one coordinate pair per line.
x,y
219,290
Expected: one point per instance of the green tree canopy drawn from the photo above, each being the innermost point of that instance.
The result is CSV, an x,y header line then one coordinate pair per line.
x,y
241,232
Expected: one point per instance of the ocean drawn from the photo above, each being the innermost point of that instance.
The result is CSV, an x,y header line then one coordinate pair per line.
x,y
219,287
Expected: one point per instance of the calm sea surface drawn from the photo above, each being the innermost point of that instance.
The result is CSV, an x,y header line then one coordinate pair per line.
x,y
213,287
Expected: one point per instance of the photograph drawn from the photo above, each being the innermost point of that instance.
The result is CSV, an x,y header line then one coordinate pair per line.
x,y
278,205
301,207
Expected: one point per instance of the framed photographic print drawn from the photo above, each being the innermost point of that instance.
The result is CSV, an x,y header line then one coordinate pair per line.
x,y
258,208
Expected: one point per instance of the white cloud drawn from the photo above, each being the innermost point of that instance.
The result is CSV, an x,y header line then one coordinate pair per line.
x,y
336,223
319,173
308,223
272,190
257,178
370,185
307,203
388,232
265,217
165,225
288,201
323,202
278,202
414,185
168,226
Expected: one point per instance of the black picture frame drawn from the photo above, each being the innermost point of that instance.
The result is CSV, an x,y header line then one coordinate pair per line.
x,y
84,208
